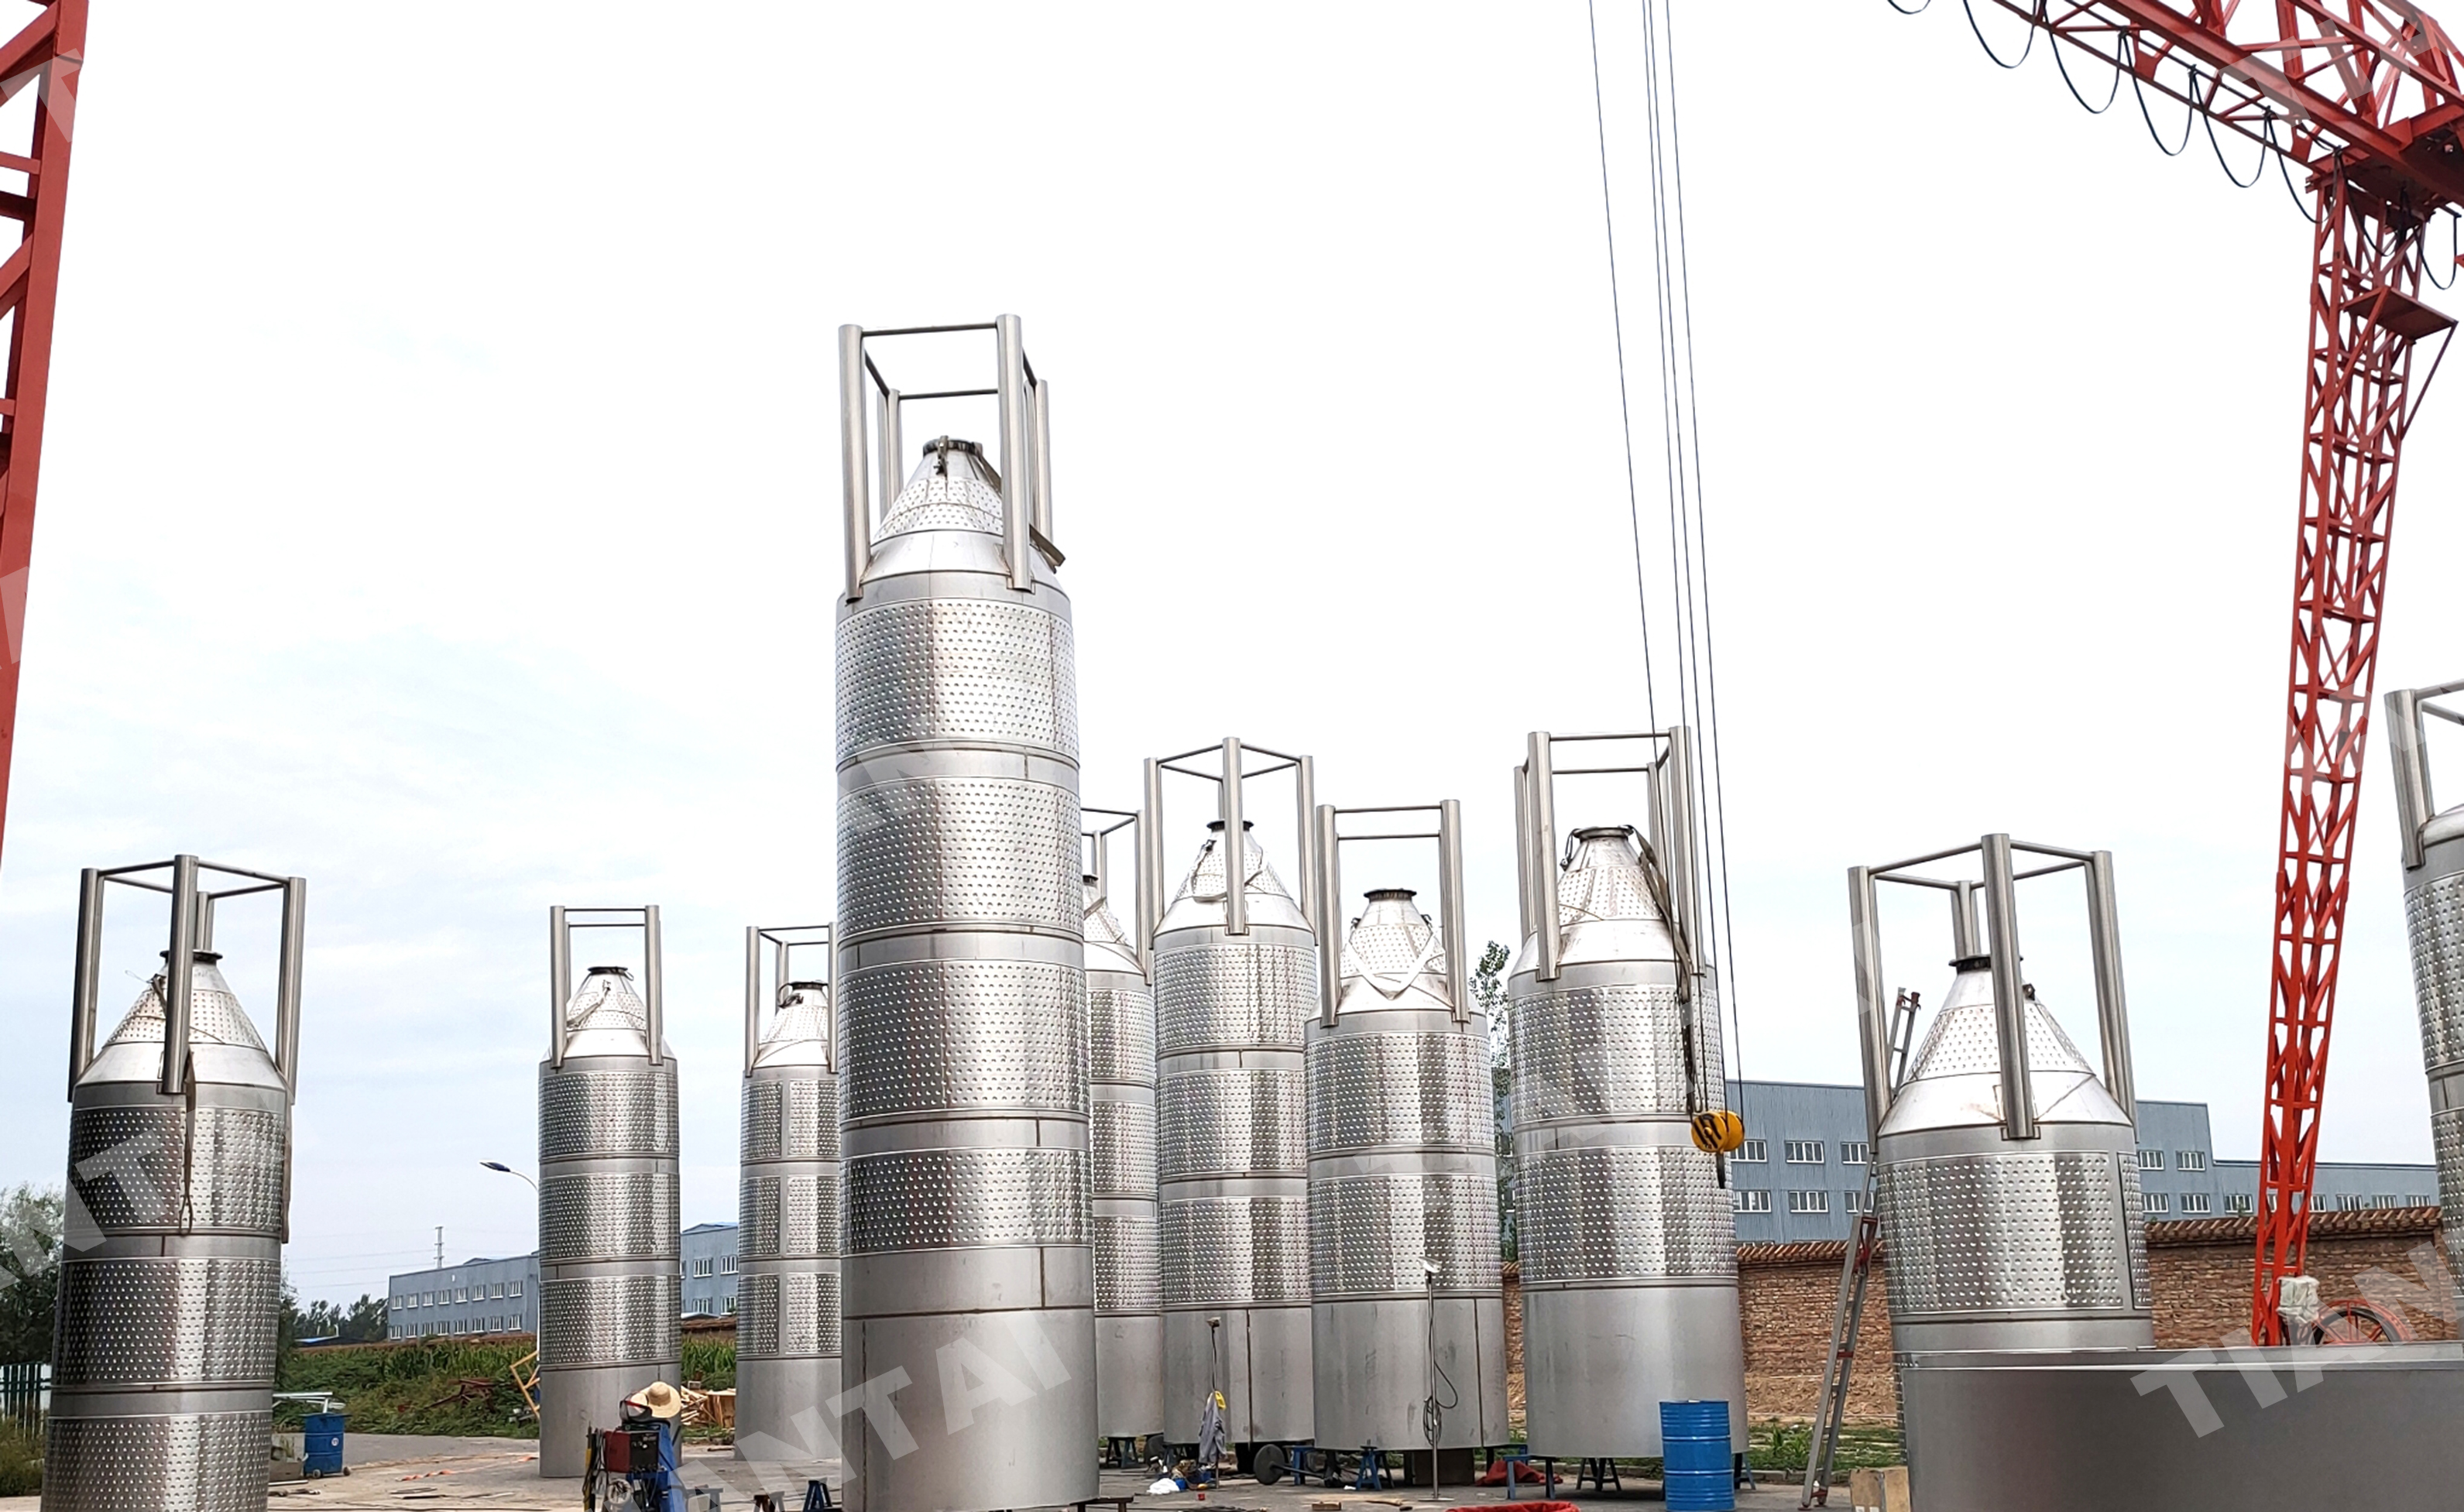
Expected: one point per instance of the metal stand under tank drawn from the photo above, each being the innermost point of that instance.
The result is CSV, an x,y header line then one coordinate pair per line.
x,y
2006,1173
2432,854
1236,978
1121,1051
2194,1431
611,1290
968,1286
787,1214
178,1204
1408,1336
1626,1237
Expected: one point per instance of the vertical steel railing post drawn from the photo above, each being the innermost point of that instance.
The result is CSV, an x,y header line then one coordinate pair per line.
x,y
559,982
87,987
854,473
2112,1008
1450,905
653,972
2009,999
179,977
1873,1022
1544,854
1017,468
1235,849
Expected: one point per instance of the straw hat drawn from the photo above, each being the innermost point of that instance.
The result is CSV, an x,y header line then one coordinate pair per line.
x,y
659,1399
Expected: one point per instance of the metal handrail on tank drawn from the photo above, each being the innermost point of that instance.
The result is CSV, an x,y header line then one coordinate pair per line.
x,y
784,940
1098,870
2416,805
1998,890
1674,846
562,922
192,929
1235,769
1025,467
1327,851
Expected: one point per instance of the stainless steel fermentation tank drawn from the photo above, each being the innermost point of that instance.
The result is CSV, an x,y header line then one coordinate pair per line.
x,y
788,1210
1409,1304
968,1277
611,1290
2007,1174
179,1187
1121,1051
2434,913
1626,1241
1236,982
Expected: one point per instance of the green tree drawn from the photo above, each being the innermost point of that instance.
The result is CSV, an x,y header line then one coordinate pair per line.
x,y
31,1225
1488,989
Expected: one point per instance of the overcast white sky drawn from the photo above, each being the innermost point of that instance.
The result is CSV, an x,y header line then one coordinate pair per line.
x,y
440,496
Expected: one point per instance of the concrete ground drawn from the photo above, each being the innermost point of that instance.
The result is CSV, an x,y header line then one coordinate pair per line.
x,y
501,1475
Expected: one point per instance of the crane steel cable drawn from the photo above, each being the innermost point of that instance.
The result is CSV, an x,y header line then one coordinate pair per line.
x,y
2266,148
1689,570
2034,21
2110,95
2140,89
1617,323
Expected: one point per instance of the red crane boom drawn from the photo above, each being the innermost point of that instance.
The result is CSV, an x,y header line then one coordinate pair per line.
x,y
46,58
2366,99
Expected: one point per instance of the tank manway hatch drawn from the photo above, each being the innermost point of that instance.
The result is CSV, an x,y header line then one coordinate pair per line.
x,y
1626,1238
611,1287
179,1196
2006,1170
968,1268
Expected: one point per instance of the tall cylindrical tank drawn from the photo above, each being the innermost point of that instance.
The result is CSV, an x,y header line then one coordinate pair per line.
x,y
1232,1151
2006,1172
2433,857
787,1223
1128,1284
1626,1241
968,1268
1409,1301
611,1286
179,1192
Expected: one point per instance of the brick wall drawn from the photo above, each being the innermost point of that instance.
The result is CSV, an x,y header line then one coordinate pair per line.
x,y
2199,1269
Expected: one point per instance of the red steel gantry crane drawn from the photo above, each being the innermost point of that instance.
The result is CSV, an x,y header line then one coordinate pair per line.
x,y
45,56
2366,99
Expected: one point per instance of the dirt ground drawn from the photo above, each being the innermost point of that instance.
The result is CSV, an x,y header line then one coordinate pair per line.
x,y
447,1475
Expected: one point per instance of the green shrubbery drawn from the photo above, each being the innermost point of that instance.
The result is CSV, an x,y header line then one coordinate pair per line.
x,y
416,1386
21,1461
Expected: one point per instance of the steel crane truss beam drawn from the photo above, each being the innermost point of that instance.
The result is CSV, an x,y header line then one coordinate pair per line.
x,y
47,55
2374,83
2365,326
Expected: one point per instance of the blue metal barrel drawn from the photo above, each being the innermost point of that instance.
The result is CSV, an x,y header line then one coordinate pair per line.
x,y
320,1443
1694,1448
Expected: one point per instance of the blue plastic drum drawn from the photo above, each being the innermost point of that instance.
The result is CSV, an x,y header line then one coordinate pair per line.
x,y
1694,1447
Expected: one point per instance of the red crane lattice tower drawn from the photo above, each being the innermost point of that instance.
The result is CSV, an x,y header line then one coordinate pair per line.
x,y
2366,100
45,56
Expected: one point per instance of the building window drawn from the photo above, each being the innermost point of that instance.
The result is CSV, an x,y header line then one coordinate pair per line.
x,y
517,1289
2418,1202
2195,1202
1853,1153
2386,1199
497,1289
2157,1202
1803,1152
2237,1202
1751,1201
1755,1152
2348,1201
2190,1160
461,1294
1852,1201
1809,1202
731,1302
701,1266
2151,1160
727,1264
